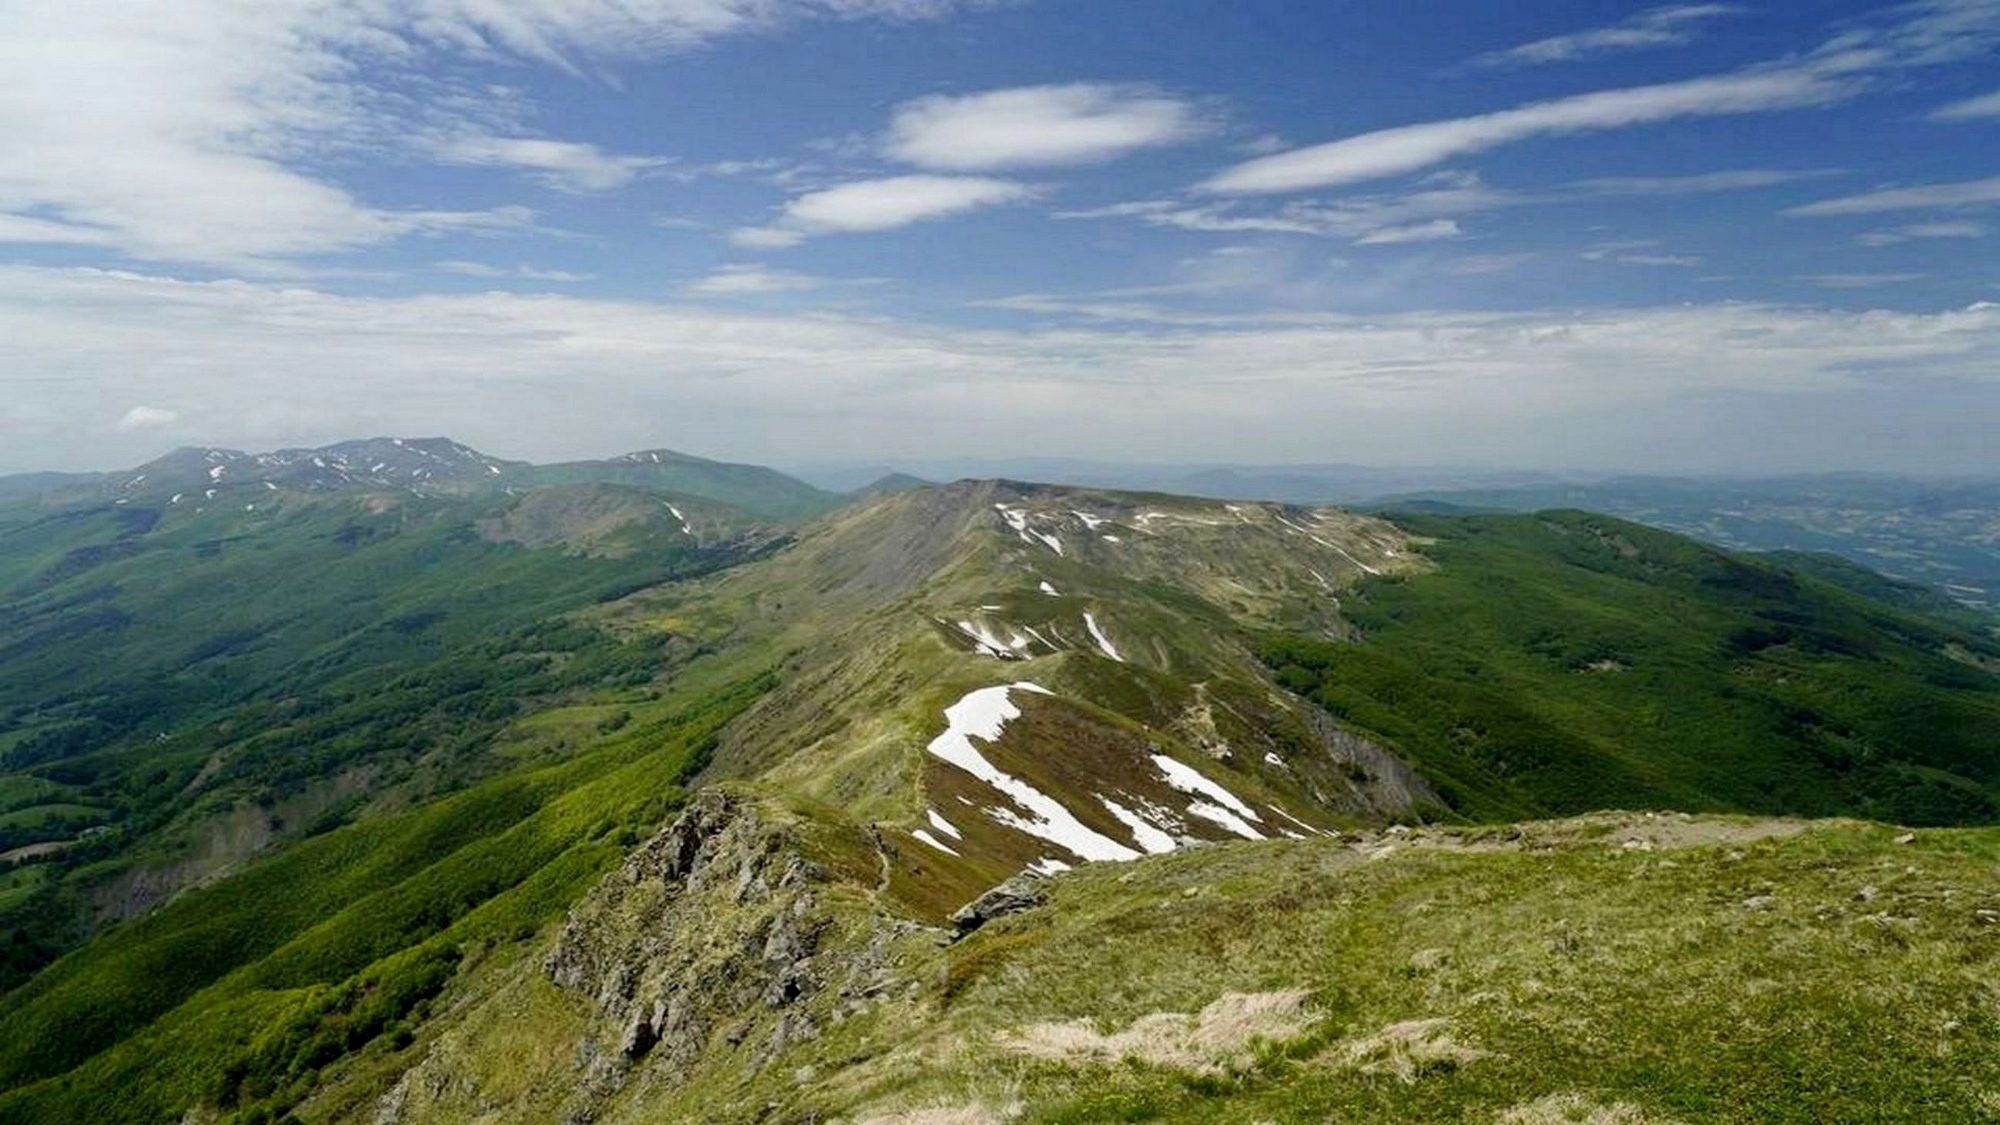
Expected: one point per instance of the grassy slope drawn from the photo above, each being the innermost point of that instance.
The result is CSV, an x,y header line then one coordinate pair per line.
x,y
178,671
235,994
1628,976
1690,970
752,488
1562,662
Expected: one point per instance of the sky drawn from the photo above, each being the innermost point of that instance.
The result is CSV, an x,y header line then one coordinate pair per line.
x,y
1554,234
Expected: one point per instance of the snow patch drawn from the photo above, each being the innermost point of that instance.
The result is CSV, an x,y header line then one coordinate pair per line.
x,y
933,841
1103,642
1225,818
1187,779
942,825
1018,520
1297,821
1046,866
1151,839
1090,522
983,715
686,528
990,643
1050,590
176,499
216,472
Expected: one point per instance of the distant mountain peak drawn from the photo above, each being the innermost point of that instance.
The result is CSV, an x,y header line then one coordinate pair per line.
x,y
434,464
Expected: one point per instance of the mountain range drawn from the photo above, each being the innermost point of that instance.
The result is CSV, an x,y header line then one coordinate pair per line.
x,y
393,782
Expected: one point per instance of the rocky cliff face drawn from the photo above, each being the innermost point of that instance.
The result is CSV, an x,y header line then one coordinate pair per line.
x,y
713,921
718,944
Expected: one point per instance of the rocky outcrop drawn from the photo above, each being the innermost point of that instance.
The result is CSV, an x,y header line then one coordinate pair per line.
x,y
1383,785
718,946
709,926
1022,892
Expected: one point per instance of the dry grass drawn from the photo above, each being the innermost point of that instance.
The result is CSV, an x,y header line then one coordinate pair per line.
x,y
1575,1109
970,1114
1407,1051
1219,1037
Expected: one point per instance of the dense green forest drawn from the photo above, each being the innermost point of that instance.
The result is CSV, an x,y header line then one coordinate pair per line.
x,y
1560,662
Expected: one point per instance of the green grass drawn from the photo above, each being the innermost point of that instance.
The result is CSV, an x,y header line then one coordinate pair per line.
x,y
1726,970
1562,662
170,668
315,951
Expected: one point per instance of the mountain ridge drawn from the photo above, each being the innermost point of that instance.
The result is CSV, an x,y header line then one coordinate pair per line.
x,y
436,466
803,747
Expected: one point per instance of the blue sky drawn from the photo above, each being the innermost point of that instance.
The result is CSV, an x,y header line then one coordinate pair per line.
x,y
1685,237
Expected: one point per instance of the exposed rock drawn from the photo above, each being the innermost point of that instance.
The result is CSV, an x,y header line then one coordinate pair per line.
x,y
716,916
1022,892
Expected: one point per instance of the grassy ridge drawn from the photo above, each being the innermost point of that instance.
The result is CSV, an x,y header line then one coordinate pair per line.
x,y
314,952
1619,968
1563,662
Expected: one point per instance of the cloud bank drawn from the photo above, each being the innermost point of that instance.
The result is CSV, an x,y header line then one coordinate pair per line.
x,y
255,365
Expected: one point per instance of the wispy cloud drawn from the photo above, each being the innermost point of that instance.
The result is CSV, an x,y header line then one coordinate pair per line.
x,y
174,131
522,271
1916,231
562,165
1035,126
145,418
879,205
1670,26
1412,232
1858,280
1411,148
750,279
1920,34
1972,193
1452,196
1986,105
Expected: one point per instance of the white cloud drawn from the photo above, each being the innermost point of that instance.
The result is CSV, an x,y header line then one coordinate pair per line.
x,y
750,280
1737,179
765,238
1921,230
878,205
523,271
1036,126
145,418
1858,280
1480,265
1972,193
1987,105
1926,33
1410,148
1684,261
1669,26
1413,232
1443,196
184,131
561,165
552,376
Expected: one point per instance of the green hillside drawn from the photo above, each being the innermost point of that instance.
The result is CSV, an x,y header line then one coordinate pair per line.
x,y
181,688
1564,661
596,802
752,488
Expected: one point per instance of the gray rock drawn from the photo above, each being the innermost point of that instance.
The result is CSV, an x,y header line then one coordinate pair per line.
x,y
1022,892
